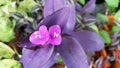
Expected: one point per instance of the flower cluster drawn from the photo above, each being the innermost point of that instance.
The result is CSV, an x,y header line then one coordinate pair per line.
x,y
43,36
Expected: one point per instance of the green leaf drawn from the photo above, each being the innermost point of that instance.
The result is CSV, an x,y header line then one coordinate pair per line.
x,y
1,13
94,27
2,2
117,15
12,7
82,2
26,5
105,36
112,4
6,29
10,63
2,65
9,7
115,29
6,51
102,17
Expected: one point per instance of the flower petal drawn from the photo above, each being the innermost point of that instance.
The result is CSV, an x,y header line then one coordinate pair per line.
x,y
33,38
44,34
55,28
55,37
89,40
72,53
53,5
55,41
52,60
36,58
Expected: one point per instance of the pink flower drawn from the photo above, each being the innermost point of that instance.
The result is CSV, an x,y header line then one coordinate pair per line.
x,y
43,36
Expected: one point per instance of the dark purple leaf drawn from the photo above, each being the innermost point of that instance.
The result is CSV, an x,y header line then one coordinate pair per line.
x,y
89,40
72,53
52,6
59,17
25,42
71,19
78,7
89,7
37,58
52,60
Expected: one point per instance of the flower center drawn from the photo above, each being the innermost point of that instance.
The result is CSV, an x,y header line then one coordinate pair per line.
x,y
56,34
37,35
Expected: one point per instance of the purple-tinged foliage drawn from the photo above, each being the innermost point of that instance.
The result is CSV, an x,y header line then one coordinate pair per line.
x,y
86,14
71,20
52,60
78,7
89,40
37,58
59,22
72,53
57,18
52,6
89,7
